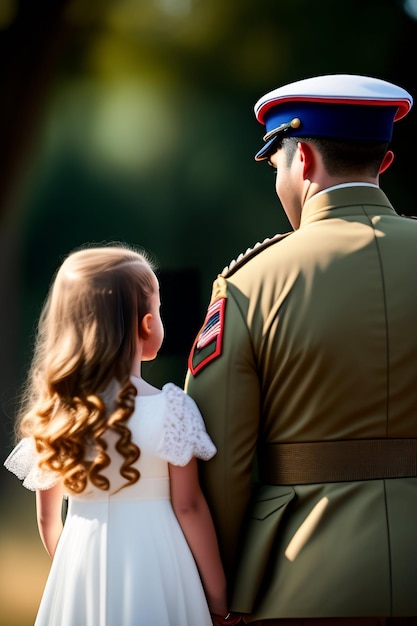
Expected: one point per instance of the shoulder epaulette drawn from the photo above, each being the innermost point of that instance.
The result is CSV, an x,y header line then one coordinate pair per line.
x,y
244,257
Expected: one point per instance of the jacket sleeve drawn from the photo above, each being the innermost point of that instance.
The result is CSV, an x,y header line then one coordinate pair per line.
x,y
226,390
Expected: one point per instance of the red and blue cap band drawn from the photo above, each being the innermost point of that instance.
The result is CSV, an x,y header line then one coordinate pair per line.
x,y
343,121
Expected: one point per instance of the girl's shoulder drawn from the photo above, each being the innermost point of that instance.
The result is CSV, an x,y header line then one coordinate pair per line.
x,y
177,397
184,435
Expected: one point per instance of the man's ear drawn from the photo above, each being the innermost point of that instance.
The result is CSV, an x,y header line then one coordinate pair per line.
x,y
306,156
386,161
145,327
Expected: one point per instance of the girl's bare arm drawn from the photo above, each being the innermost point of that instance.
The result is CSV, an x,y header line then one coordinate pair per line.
x,y
48,513
195,519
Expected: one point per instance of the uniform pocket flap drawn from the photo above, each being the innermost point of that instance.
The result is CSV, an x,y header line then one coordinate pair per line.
x,y
267,502
262,527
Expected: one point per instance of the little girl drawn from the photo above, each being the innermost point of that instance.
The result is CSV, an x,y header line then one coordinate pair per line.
x,y
124,454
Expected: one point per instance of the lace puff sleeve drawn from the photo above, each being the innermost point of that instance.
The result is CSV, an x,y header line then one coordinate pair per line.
x,y
22,461
184,434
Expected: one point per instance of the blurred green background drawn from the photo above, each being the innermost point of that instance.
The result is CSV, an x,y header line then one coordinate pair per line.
x,y
132,120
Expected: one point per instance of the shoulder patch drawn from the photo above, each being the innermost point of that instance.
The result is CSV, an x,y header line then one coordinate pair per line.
x,y
209,341
244,257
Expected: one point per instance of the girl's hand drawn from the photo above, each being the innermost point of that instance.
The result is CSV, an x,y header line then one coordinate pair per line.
x,y
229,619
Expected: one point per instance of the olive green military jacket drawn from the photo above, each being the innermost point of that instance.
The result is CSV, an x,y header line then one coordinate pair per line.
x,y
312,337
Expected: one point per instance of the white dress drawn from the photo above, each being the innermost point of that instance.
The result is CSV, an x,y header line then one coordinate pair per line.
x,y
122,559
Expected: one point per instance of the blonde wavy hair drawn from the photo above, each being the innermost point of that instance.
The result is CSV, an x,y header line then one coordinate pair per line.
x,y
85,345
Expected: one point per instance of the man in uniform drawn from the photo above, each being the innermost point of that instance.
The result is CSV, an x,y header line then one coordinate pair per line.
x,y
305,370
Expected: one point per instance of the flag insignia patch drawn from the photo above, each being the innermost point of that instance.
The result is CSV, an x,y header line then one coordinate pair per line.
x,y
210,336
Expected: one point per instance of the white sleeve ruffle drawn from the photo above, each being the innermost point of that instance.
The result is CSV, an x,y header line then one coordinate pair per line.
x,y
184,433
22,461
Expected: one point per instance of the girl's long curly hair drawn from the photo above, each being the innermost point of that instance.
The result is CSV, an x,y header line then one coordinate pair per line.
x,y
85,345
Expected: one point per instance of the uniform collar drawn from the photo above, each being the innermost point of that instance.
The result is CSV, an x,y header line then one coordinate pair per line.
x,y
346,200
344,185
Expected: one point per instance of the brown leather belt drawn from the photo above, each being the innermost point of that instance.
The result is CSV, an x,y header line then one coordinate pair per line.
x,y
337,461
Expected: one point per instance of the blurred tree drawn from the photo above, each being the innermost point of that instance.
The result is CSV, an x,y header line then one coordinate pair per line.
x,y
30,44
